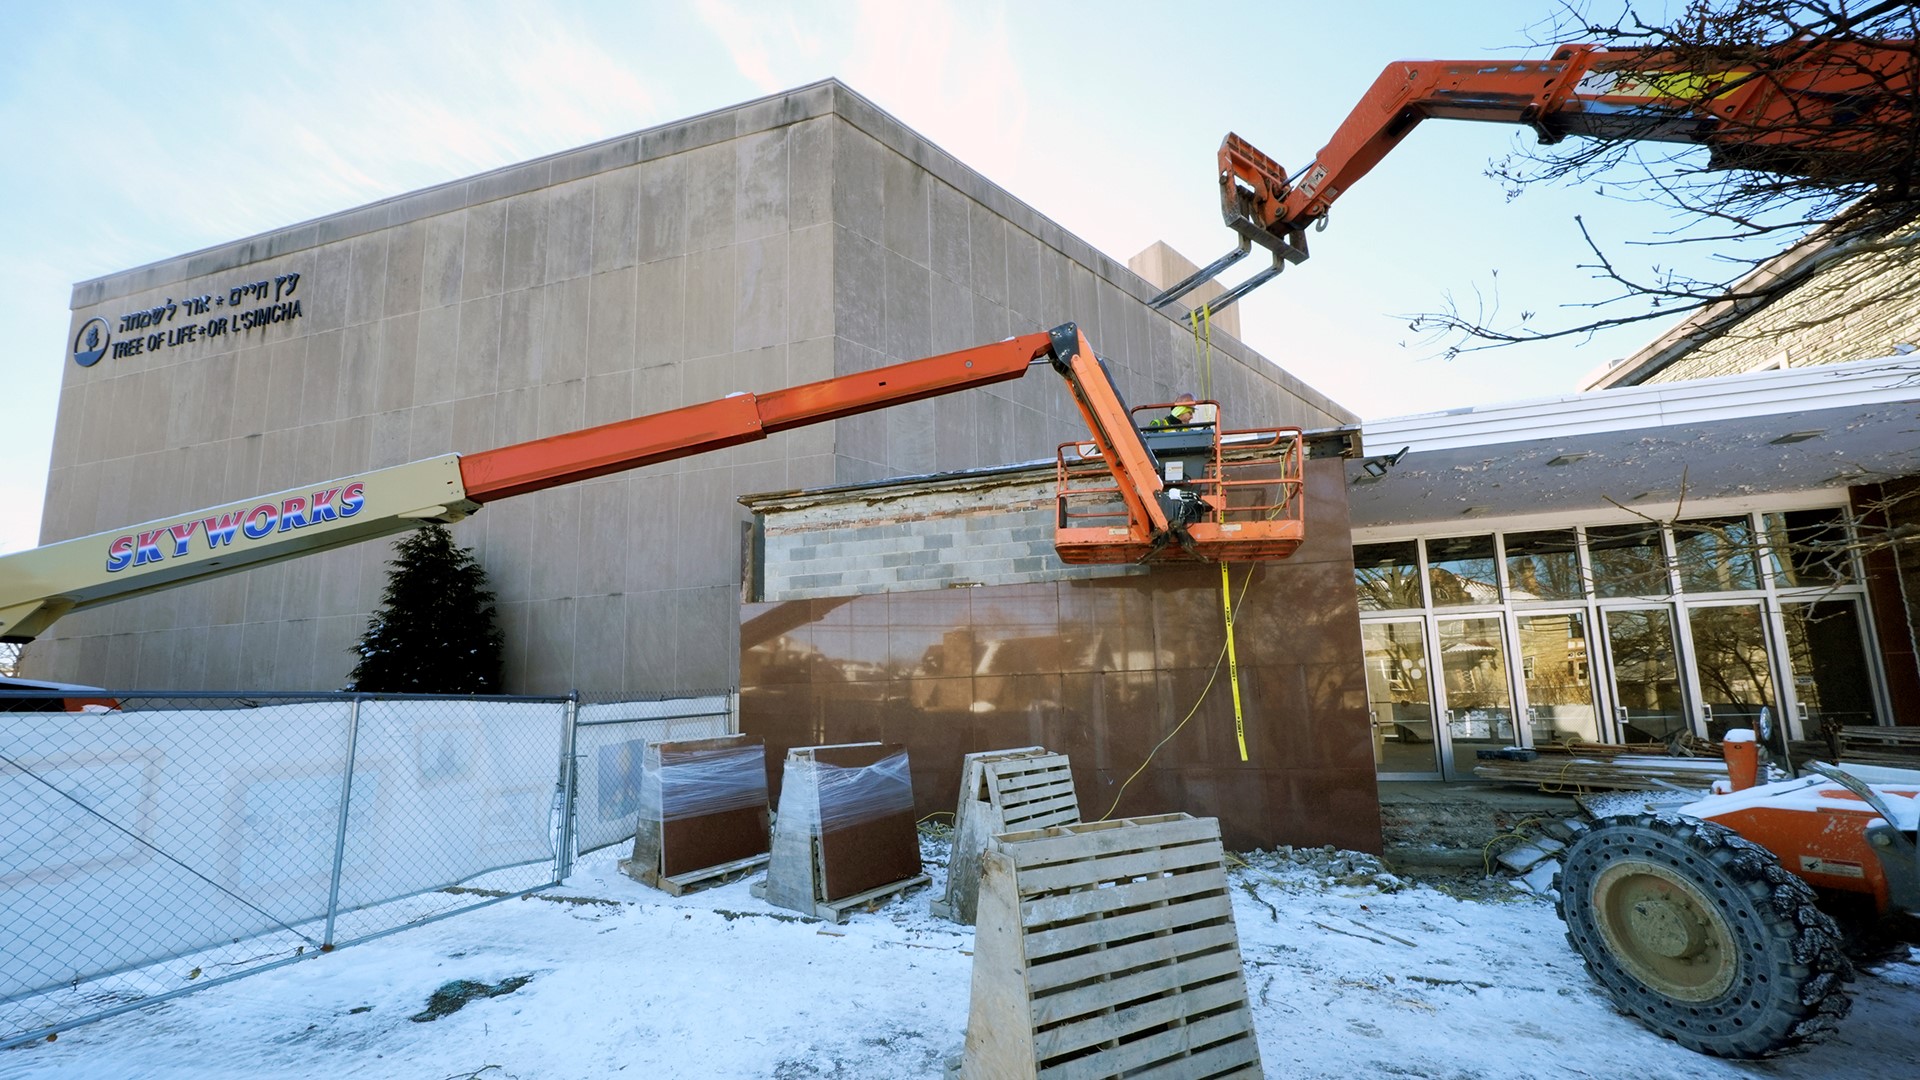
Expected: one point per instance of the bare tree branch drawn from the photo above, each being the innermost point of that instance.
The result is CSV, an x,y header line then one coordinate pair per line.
x,y
1845,170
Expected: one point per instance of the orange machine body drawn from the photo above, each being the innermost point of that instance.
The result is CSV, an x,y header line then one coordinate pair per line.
x,y
1820,831
1810,107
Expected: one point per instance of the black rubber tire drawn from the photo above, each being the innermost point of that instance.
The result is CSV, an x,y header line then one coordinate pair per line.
x,y
1777,980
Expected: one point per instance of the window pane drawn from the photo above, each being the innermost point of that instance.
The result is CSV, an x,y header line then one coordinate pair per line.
x,y
1473,659
1646,675
1730,652
1461,570
1553,660
1830,674
1399,698
1627,560
1542,566
1716,554
1387,576
1809,547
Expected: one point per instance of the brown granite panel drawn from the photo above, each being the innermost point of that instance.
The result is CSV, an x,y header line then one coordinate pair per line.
x,y
1012,710
1106,625
930,634
771,651
851,711
1324,807
1017,629
1329,528
1101,671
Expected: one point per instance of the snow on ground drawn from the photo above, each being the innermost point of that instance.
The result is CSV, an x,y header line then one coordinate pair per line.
x,y
1351,972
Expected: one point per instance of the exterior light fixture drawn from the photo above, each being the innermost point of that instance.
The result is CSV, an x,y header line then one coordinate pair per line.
x,y
1798,436
1377,467
1568,459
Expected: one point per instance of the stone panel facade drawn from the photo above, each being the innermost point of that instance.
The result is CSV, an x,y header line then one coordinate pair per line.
x,y
779,242
1102,668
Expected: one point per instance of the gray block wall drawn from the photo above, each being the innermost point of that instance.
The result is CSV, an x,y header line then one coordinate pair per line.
x,y
948,532
779,242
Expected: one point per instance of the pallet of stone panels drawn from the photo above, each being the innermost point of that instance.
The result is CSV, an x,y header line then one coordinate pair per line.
x,y
1108,949
845,836
1615,773
1002,791
703,813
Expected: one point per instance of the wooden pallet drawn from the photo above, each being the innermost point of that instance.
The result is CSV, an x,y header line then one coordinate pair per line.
x,y
711,877
701,823
1001,791
839,911
826,868
1108,949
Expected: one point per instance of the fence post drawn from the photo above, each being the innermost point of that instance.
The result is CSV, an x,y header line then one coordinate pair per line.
x,y
563,859
340,832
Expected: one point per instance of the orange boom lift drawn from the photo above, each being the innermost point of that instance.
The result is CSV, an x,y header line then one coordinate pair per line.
x,y
1187,494
1700,922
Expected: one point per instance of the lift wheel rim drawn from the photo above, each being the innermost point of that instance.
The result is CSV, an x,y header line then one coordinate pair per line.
x,y
1665,931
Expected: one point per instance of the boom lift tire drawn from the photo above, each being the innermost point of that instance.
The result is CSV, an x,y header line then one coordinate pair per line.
x,y
1703,936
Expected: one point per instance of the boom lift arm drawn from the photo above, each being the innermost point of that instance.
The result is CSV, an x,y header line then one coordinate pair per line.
x,y
1817,108
39,586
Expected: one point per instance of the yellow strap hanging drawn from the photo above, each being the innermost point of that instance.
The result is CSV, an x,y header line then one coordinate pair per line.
x,y
1201,318
1233,663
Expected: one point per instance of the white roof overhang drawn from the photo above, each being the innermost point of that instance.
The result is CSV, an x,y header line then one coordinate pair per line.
x,y
1741,436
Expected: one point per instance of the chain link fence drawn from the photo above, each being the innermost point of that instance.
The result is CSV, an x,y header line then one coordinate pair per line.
x,y
609,736
152,845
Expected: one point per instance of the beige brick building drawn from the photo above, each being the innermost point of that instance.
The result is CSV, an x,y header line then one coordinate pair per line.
x,y
783,241
1836,301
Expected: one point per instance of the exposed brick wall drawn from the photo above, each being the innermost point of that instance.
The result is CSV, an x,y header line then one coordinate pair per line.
x,y
992,529
1855,308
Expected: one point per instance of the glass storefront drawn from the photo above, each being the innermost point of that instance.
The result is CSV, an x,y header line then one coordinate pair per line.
x,y
1634,633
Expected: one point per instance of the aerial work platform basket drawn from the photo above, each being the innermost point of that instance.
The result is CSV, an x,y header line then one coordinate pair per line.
x,y
1231,496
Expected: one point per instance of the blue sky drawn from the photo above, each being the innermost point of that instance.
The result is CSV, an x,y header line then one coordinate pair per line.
x,y
139,131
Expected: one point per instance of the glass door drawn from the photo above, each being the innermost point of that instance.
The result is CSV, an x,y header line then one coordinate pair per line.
x,y
1827,658
1644,668
1400,698
1731,660
1479,705
1555,669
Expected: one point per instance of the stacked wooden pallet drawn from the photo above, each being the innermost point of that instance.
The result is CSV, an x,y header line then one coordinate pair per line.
x,y
1106,950
1002,791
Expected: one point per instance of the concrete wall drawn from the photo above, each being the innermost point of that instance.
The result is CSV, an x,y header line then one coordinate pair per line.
x,y
783,241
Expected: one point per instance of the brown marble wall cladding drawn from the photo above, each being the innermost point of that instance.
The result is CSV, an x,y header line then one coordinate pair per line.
x,y
1101,670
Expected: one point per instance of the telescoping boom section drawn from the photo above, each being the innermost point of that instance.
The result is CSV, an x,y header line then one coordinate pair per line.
x,y
1122,501
1836,110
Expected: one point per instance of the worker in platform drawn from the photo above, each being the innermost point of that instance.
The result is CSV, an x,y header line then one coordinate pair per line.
x,y
1183,413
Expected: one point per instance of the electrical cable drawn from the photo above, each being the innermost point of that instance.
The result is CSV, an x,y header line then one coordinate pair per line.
x,y
1211,677
1514,833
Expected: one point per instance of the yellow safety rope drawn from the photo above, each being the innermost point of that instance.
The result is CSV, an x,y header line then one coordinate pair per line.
x,y
1233,663
1201,319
